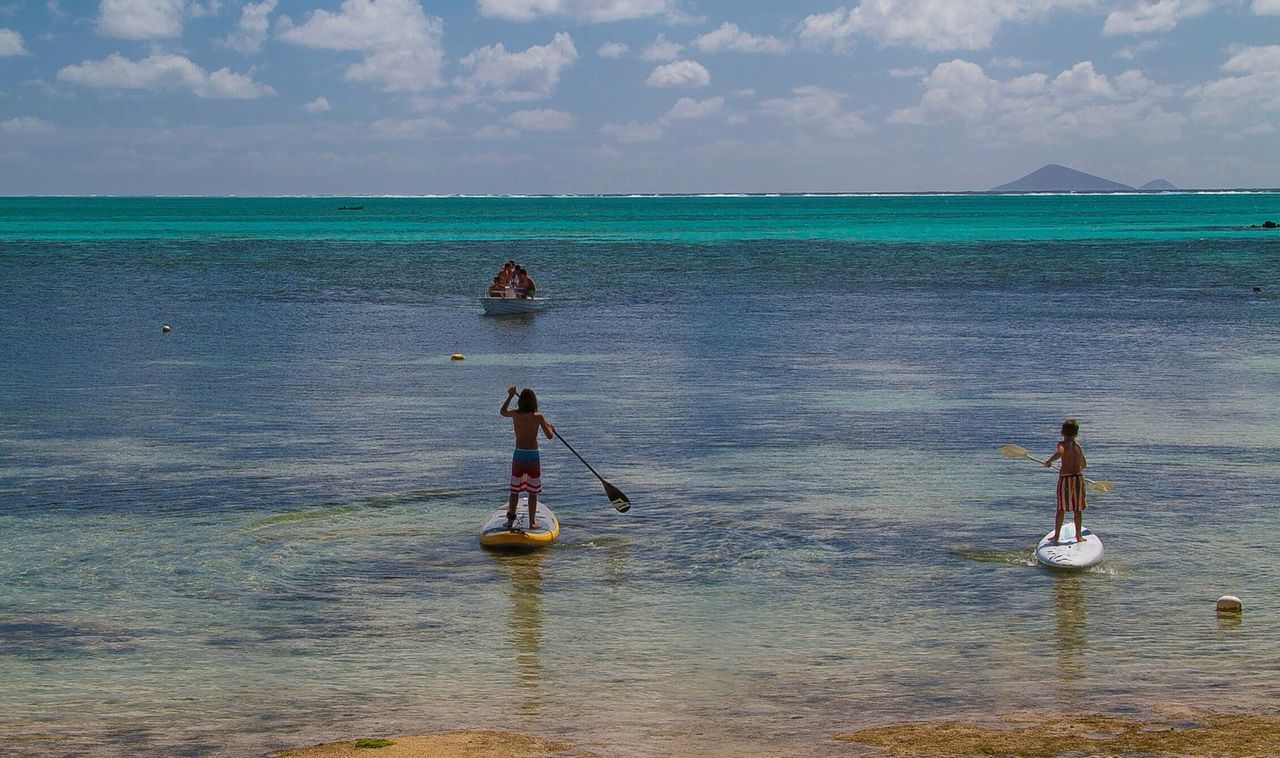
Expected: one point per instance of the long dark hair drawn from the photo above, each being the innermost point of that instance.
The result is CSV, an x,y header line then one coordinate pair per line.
x,y
528,401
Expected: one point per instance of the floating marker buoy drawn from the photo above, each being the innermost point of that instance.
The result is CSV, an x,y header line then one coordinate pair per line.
x,y
456,357
1229,604
1257,289
165,328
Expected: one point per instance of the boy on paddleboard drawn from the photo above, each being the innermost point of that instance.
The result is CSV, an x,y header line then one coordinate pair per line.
x,y
526,465
1070,477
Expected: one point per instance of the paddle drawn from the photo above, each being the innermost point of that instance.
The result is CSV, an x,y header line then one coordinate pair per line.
x,y
619,500
1017,451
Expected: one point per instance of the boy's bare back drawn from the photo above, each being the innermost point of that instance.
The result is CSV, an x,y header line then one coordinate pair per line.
x,y
1072,456
526,426
526,423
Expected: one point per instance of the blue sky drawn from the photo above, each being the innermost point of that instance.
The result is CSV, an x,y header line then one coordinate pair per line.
x,y
591,96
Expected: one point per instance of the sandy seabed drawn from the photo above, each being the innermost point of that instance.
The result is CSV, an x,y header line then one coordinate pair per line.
x,y
1174,732
480,744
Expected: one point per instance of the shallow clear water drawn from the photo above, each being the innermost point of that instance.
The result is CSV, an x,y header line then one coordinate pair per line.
x,y
259,530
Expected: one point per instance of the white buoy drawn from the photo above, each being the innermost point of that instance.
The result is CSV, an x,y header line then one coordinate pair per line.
x,y
165,328
1229,604
456,357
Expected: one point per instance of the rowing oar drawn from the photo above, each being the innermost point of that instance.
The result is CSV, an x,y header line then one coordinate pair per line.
x,y
619,500
1017,451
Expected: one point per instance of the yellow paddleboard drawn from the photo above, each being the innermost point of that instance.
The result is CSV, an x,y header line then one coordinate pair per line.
x,y
499,534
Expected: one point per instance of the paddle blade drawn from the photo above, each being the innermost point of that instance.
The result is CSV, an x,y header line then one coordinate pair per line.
x,y
619,500
1102,486
1013,451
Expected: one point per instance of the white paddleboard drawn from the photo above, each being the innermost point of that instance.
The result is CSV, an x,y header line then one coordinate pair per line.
x,y
1067,553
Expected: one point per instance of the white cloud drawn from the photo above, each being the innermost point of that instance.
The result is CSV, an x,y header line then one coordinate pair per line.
x,y
960,90
11,43
198,9
408,128
495,131
818,107
1266,7
729,37
319,105
679,74
531,74
925,24
1131,52
540,119
1134,83
252,30
26,125
164,71
661,49
613,50
1252,93
1078,103
140,19
633,131
1082,82
581,10
1149,17
1254,60
690,108
402,46
1006,62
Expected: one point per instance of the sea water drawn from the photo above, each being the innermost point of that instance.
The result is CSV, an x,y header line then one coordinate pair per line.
x,y
258,529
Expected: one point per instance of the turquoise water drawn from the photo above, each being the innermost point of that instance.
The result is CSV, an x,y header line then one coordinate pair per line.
x,y
675,219
259,529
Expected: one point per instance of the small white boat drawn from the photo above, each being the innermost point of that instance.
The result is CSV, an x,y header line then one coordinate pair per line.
x,y
511,306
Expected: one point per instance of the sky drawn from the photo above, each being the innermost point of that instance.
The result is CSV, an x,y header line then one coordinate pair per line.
x,y
372,97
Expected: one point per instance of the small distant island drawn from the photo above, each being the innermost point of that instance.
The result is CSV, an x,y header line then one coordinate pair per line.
x,y
1055,178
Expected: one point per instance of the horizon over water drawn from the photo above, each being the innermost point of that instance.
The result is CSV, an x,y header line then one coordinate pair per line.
x,y
259,529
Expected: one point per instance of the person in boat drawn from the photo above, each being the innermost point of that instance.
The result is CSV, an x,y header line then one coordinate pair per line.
x,y
1070,491
497,288
526,462
520,282
529,286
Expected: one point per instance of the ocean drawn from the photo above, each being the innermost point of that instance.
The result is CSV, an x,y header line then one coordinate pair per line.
x,y
258,529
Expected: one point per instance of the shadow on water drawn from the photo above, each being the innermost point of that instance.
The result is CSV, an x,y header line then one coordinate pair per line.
x,y
1021,557
524,572
330,510
1069,613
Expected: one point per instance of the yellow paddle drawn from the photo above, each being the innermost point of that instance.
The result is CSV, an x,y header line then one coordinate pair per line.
x,y
1017,451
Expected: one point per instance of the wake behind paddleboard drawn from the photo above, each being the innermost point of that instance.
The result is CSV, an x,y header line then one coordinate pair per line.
x,y
517,535
1068,553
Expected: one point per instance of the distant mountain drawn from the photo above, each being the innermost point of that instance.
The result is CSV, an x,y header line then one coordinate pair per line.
x,y
1055,178
1157,185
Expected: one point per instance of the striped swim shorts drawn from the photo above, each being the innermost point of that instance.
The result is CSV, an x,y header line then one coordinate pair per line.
x,y
1071,492
526,471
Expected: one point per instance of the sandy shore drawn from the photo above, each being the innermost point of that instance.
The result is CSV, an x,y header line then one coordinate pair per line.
x,y
1173,732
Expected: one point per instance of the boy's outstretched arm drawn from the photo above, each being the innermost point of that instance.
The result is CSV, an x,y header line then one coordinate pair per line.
x,y
505,410
547,428
1056,455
